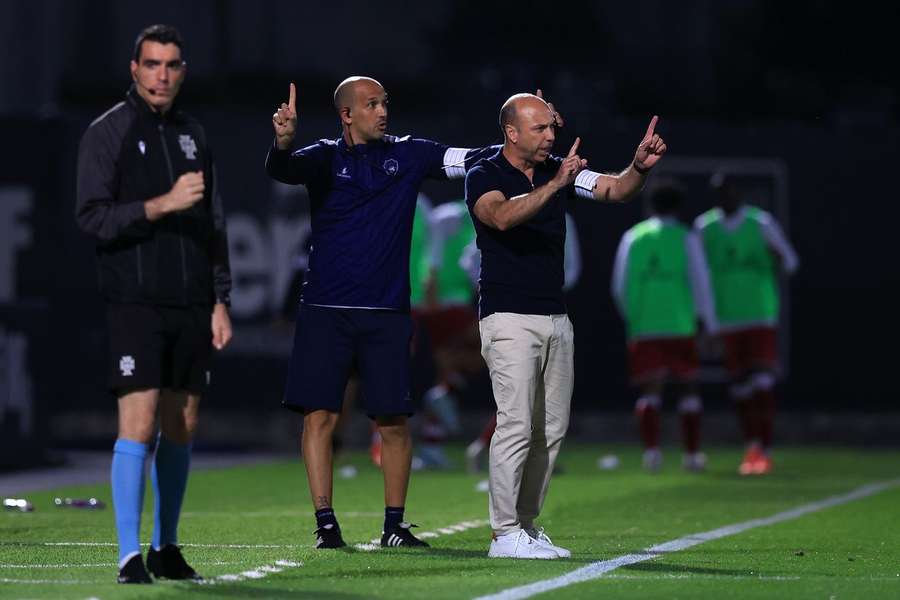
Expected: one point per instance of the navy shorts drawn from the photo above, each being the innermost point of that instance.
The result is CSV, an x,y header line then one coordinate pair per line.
x,y
329,342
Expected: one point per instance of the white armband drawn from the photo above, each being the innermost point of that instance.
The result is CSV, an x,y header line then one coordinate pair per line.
x,y
584,183
455,162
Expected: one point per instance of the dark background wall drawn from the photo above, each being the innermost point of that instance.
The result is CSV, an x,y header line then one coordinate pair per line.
x,y
809,87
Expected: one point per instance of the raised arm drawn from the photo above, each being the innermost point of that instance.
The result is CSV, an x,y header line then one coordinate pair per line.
x,y
494,210
282,164
285,121
780,245
623,186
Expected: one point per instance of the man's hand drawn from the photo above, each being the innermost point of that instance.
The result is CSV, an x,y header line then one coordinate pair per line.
x,y
557,118
571,165
221,326
650,150
285,121
187,191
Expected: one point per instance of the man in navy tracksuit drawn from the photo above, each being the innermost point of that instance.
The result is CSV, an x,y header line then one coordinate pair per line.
x,y
355,302
147,194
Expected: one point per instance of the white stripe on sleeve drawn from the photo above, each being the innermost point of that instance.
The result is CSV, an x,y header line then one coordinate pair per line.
x,y
455,162
584,183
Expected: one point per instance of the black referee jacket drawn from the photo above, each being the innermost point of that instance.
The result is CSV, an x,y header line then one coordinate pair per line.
x,y
127,156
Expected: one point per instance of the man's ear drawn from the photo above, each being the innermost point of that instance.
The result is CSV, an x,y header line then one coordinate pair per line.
x,y
511,134
346,119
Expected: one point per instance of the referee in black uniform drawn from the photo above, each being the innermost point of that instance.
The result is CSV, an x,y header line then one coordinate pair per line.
x,y
147,193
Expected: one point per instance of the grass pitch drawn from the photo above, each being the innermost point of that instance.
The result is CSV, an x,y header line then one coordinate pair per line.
x,y
248,530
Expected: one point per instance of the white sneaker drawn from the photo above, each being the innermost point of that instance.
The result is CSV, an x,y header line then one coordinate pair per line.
x,y
652,460
519,544
543,539
695,462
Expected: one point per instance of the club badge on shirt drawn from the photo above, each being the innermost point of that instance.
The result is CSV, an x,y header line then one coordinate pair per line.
x,y
188,146
390,166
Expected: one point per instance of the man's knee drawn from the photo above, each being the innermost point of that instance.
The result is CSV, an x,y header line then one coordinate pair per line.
x,y
393,430
321,422
179,416
137,415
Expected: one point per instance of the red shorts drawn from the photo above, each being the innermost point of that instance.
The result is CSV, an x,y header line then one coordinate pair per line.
x,y
445,325
750,349
663,358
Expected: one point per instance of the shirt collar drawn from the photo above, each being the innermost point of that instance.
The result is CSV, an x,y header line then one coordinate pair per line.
x,y
359,148
144,109
505,165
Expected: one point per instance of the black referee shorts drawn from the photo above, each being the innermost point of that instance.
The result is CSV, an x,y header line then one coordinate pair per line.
x,y
159,347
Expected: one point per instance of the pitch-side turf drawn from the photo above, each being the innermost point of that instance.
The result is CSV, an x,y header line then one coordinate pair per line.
x,y
825,524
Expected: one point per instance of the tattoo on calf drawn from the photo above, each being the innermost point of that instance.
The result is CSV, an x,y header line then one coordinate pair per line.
x,y
323,502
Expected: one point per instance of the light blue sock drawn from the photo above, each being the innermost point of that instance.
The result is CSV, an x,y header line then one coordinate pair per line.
x,y
127,479
169,475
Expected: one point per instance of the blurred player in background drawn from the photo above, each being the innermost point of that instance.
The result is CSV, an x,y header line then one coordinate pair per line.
x,y
661,286
744,246
448,314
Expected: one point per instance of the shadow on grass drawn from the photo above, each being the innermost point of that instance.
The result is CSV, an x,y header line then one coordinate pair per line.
x,y
242,590
659,568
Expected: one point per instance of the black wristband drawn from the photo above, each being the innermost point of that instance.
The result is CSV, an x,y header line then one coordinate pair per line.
x,y
640,170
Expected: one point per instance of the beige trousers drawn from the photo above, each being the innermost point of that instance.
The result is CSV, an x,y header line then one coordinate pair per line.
x,y
531,362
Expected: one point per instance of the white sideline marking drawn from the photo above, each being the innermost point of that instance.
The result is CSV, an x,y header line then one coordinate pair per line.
x,y
257,573
216,563
181,545
282,513
375,544
251,574
44,581
599,568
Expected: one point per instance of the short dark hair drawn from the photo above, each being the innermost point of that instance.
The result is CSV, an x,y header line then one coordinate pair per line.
x,y
666,197
164,34
507,115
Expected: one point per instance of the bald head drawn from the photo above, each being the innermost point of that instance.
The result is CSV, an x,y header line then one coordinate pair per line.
x,y
345,94
517,105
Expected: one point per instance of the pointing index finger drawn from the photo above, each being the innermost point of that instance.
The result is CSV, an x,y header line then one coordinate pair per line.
x,y
652,126
292,99
574,148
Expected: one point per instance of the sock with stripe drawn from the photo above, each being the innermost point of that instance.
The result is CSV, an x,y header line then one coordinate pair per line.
x,y
766,400
690,408
647,412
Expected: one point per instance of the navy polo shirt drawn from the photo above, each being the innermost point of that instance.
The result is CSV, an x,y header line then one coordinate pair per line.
x,y
521,268
362,201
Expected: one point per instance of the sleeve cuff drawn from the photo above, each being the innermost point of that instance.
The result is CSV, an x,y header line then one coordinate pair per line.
x,y
584,183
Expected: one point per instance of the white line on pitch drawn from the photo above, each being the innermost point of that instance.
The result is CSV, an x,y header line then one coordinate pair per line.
x,y
181,545
598,569
375,544
257,573
216,563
